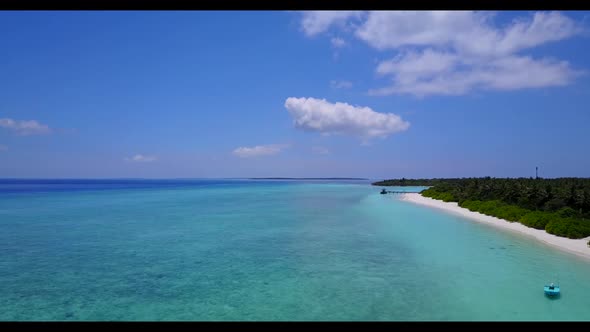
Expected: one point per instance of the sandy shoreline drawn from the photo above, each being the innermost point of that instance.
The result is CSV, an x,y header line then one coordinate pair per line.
x,y
574,246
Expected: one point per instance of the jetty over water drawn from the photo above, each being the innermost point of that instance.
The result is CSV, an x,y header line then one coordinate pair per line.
x,y
383,192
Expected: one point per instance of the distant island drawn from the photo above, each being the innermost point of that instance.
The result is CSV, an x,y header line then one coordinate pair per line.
x,y
560,206
307,179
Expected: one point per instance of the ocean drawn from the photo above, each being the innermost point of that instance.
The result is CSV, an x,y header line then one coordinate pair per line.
x,y
265,250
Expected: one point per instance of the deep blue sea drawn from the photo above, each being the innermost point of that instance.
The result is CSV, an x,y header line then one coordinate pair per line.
x,y
239,250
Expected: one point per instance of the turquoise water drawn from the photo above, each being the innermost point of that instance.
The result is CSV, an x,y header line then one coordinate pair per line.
x,y
268,251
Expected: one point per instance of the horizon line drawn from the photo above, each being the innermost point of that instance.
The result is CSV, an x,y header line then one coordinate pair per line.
x,y
174,178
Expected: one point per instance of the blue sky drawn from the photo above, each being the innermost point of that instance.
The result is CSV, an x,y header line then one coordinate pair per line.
x,y
299,94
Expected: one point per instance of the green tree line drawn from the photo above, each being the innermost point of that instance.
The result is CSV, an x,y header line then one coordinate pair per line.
x,y
560,206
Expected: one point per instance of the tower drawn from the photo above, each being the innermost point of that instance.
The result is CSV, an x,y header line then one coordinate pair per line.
x,y
536,172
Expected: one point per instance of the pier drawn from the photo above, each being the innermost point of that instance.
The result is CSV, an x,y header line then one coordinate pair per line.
x,y
383,192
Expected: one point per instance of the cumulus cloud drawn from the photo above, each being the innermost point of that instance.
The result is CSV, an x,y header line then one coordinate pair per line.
x,y
337,42
141,158
392,29
259,150
523,33
319,115
418,64
465,31
455,52
25,127
316,22
340,84
432,73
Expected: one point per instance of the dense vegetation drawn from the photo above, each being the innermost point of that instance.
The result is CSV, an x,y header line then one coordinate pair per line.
x,y
559,206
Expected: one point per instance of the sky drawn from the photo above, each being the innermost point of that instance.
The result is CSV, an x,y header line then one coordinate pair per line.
x,y
224,94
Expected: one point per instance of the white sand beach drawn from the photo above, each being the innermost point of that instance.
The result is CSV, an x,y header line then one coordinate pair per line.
x,y
575,246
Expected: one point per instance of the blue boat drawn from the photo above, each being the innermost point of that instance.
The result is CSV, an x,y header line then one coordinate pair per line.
x,y
551,290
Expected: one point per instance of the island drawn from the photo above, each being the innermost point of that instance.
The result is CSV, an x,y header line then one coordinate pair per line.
x,y
559,206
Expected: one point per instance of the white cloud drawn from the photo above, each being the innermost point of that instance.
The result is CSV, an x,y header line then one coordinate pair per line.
x,y
337,42
328,118
456,52
392,29
465,31
259,150
25,127
518,72
340,84
316,22
418,64
141,158
319,150
3,148
432,73
530,32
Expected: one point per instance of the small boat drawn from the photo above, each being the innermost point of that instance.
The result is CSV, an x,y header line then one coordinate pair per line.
x,y
383,191
551,290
